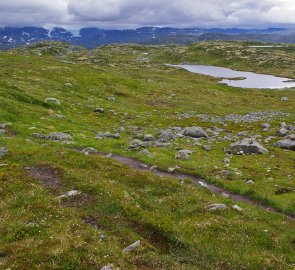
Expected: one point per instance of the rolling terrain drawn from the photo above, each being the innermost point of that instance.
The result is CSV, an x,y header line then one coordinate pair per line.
x,y
103,148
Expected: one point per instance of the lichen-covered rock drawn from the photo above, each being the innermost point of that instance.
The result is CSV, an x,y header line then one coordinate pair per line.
x,y
149,138
246,147
166,136
216,206
132,247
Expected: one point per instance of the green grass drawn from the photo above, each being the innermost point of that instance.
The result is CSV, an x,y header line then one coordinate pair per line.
x,y
169,216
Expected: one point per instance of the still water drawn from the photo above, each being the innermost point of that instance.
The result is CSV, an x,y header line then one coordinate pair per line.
x,y
241,78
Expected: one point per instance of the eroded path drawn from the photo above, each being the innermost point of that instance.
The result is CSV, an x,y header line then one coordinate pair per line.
x,y
135,164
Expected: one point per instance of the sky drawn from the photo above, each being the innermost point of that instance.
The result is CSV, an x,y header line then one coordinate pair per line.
x,y
114,14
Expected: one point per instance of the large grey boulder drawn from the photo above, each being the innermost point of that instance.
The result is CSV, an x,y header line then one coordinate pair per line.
x,y
246,147
194,132
3,151
59,136
52,100
288,144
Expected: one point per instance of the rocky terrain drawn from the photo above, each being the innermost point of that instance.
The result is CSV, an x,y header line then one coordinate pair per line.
x,y
110,159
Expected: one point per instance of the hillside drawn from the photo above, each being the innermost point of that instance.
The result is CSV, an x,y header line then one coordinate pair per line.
x,y
91,160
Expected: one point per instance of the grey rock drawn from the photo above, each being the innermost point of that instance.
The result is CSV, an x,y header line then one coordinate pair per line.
x,y
132,247
184,154
284,99
149,138
98,110
288,144
171,170
135,144
238,208
250,182
3,151
194,132
108,267
153,168
283,132
59,136
71,193
108,135
39,136
53,100
245,147
206,147
162,144
166,136
147,153
216,206
89,150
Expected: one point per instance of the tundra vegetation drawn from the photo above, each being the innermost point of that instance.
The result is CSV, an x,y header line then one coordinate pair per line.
x,y
66,203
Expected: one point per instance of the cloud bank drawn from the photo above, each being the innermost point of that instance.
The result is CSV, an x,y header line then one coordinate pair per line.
x,y
130,13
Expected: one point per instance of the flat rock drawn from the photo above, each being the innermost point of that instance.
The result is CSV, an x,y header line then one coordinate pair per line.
x,y
89,150
149,138
184,154
246,147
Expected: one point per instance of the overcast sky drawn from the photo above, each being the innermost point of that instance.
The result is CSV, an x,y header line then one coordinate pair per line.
x,y
73,14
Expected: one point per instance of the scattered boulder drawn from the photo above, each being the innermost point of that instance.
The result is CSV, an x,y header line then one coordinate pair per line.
x,y
149,138
184,154
288,144
89,150
265,127
284,99
98,110
250,182
71,193
245,147
3,151
132,247
52,100
147,153
108,267
135,144
171,170
238,208
216,206
166,136
108,135
194,132
283,132
58,136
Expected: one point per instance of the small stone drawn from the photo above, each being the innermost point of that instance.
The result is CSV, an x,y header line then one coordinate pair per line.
x,y
184,154
108,267
110,155
203,184
149,138
153,168
59,136
3,151
236,207
132,247
53,100
98,110
194,132
89,150
284,99
225,195
250,182
216,206
171,170
71,193
147,153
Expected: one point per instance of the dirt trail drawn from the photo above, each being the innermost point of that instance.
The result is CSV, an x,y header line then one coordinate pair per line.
x,y
135,164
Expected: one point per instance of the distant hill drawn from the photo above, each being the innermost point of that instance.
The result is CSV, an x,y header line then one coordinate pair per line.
x,y
94,37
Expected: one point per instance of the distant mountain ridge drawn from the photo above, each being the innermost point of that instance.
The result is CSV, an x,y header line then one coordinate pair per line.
x,y
11,37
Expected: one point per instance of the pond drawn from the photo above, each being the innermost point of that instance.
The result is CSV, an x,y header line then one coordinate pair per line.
x,y
240,78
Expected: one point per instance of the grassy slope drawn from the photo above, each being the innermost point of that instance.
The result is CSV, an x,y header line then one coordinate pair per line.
x,y
39,233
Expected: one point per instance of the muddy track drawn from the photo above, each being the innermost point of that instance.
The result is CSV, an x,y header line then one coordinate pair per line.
x,y
137,165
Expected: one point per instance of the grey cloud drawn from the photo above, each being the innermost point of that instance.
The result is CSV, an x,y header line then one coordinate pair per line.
x,y
153,12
